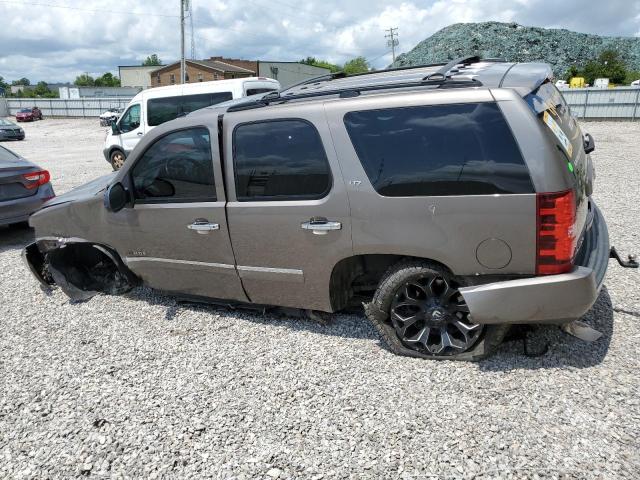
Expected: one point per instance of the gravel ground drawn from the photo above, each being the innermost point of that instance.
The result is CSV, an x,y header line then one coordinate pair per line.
x,y
143,386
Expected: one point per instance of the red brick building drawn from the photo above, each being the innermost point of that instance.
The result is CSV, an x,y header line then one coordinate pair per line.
x,y
200,71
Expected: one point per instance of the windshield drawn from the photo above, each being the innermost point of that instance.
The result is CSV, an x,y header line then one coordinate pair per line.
x,y
25,110
6,123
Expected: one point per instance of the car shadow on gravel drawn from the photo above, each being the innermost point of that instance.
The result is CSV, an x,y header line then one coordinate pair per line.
x,y
346,324
558,349
15,237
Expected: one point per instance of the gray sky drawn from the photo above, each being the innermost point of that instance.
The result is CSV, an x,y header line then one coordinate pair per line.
x,y
55,40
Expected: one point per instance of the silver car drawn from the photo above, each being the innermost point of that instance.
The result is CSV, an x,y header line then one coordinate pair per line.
x,y
24,187
452,200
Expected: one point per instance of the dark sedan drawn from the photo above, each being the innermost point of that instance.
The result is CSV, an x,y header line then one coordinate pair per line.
x,y
29,114
24,187
10,131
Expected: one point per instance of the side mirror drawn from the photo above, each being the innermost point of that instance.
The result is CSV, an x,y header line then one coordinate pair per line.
x,y
114,128
116,197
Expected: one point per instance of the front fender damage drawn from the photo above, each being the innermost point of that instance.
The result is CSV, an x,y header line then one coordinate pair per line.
x,y
81,269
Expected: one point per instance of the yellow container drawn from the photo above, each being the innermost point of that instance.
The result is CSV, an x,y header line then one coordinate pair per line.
x,y
576,82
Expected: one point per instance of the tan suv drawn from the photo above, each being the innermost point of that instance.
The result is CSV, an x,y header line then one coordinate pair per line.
x,y
452,200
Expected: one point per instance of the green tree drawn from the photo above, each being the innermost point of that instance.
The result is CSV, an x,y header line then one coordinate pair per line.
x,y
356,65
4,85
572,72
84,80
41,89
107,80
632,76
609,65
321,63
151,61
22,81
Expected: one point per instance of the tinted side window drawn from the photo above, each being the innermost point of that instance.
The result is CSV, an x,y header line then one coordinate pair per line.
x,y
131,119
463,149
162,110
280,160
191,103
176,168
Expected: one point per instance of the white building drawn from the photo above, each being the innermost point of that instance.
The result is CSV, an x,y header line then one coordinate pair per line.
x,y
138,76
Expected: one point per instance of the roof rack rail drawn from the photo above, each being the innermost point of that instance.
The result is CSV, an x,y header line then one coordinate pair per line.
x,y
349,92
441,74
341,74
321,78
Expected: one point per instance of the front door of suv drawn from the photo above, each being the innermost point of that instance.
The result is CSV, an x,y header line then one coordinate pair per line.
x,y
288,210
175,237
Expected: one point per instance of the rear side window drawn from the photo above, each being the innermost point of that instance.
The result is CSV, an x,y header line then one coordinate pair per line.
x,y
176,168
280,160
161,110
438,150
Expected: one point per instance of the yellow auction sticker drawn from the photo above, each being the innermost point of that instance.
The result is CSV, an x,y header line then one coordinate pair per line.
x,y
557,131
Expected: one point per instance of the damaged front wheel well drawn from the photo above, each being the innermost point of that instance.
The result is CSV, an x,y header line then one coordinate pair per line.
x,y
82,269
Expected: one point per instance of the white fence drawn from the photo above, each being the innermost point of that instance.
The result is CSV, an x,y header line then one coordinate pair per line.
x,y
621,103
56,107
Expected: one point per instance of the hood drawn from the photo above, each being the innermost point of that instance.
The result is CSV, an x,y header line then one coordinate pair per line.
x,y
83,192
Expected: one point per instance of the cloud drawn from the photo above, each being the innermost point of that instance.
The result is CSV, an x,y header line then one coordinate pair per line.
x,y
43,42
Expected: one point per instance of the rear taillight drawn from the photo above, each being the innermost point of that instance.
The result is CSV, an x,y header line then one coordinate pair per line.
x,y
556,236
35,179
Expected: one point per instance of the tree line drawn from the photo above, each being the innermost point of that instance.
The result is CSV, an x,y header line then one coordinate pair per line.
x,y
42,90
609,64
353,66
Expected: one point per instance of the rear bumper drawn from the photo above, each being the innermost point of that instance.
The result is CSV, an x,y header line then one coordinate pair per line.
x,y
547,299
18,210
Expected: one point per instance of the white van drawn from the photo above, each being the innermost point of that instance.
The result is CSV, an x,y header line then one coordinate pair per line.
x,y
154,106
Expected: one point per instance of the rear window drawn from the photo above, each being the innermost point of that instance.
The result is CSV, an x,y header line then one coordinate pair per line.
x,y
438,150
6,154
550,106
161,110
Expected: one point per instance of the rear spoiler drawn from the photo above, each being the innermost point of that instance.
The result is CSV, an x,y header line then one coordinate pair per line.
x,y
526,77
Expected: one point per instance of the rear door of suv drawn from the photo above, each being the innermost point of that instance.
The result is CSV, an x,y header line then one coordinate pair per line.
x,y
287,208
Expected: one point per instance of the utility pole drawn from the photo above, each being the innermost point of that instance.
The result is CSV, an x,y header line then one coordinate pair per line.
x,y
193,35
393,41
183,65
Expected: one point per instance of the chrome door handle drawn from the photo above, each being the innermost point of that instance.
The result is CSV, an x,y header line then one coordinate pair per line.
x,y
320,226
203,227
139,134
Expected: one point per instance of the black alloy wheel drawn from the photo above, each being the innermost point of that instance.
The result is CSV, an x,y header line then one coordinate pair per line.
x,y
430,315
